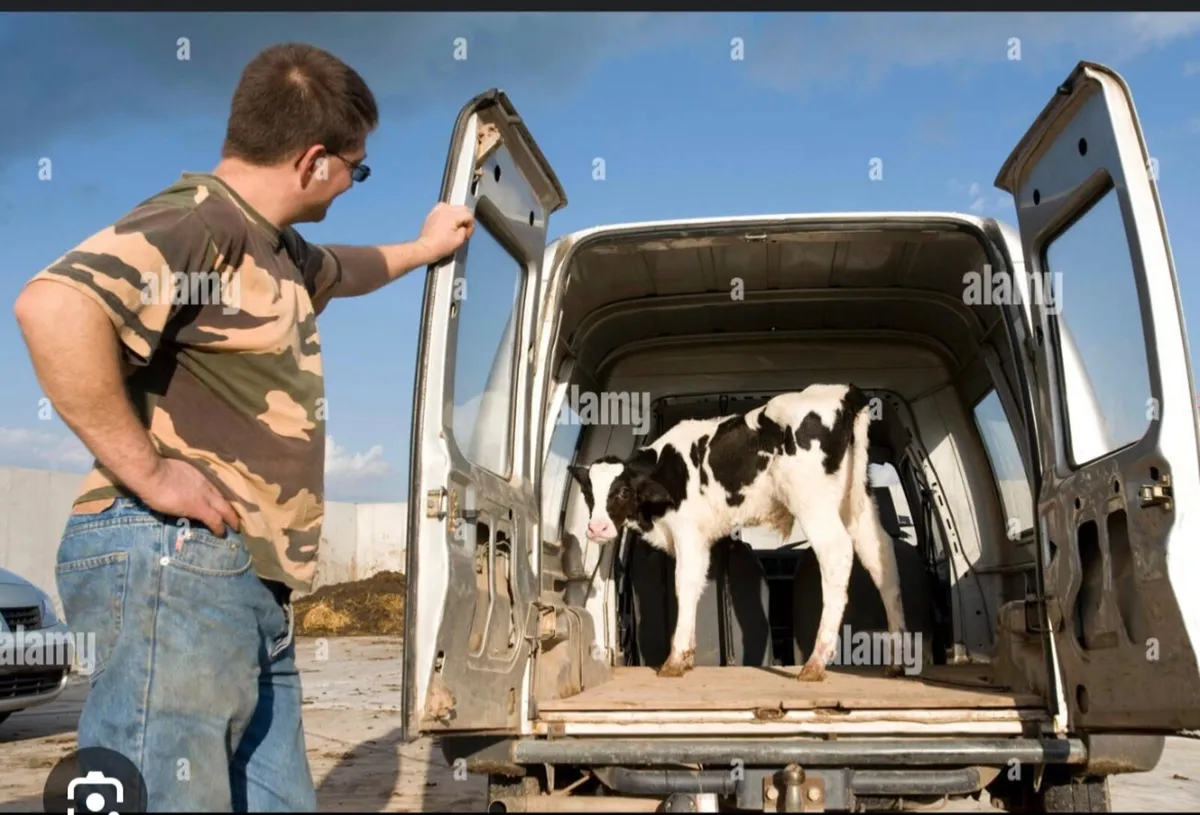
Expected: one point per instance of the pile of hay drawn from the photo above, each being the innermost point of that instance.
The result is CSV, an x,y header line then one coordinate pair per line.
x,y
371,607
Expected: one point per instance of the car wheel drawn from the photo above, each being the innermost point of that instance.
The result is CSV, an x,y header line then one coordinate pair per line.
x,y
1082,794
1059,792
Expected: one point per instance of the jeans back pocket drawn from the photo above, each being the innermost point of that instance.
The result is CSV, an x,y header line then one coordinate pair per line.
x,y
92,590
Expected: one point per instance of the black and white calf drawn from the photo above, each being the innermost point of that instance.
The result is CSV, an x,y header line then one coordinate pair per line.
x,y
800,457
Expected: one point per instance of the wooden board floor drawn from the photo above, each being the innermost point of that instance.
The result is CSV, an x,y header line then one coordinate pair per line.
x,y
742,688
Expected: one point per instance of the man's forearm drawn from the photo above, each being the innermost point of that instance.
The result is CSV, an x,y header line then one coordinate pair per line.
x,y
76,358
367,268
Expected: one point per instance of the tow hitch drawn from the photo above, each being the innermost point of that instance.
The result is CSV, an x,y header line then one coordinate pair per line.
x,y
801,793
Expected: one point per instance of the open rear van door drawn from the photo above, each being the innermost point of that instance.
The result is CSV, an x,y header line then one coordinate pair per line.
x,y
1119,500
473,515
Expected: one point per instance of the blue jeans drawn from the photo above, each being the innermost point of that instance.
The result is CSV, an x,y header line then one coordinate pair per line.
x,y
194,674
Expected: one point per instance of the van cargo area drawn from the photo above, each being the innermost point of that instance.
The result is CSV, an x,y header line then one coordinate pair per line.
x,y
849,701
709,324
1042,651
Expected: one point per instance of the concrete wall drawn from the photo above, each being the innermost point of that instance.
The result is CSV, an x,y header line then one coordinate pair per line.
x,y
34,505
357,540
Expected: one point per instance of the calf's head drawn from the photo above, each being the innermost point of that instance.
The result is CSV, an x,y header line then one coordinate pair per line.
x,y
625,494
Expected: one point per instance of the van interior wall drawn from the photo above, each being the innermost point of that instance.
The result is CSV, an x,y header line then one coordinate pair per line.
x,y
663,312
927,423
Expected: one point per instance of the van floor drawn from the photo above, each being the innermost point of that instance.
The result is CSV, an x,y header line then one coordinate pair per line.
x,y
748,688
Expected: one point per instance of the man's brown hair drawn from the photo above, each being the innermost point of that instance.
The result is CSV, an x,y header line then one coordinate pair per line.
x,y
292,96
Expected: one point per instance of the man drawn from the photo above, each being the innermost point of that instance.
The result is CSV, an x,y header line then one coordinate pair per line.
x,y
203,511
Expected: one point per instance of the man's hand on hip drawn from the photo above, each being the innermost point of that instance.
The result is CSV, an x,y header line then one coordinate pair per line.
x,y
179,489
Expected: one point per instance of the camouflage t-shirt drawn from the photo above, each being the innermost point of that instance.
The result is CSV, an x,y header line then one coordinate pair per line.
x,y
216,311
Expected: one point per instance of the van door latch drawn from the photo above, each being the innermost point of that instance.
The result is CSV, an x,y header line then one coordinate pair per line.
x,y
470,510
1159,494
435,503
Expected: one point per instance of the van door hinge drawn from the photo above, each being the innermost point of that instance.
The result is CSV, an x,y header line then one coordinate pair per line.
x,y
1040,611
487,141
435,504
1159,494
1030,349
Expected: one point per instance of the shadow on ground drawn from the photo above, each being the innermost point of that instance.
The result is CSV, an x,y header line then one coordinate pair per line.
x,y
385,775
365,778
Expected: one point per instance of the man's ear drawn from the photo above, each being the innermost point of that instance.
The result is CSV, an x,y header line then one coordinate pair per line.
x,y
313,164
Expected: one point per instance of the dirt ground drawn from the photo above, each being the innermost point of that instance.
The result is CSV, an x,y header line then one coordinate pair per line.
x,y
351,712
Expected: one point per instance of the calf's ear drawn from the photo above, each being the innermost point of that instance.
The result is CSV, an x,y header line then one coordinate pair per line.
x,y
579,473
642,461
653,494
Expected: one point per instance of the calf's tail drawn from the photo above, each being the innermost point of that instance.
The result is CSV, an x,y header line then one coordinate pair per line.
x,y
859,451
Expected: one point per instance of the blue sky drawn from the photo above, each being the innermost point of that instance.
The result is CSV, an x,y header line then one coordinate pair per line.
x,y
684,131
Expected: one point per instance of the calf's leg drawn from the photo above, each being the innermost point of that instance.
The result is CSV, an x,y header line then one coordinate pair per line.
x,y
834,550
877,555
691,572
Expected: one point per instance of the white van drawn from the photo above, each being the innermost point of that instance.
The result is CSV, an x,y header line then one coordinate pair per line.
x,y
1038,482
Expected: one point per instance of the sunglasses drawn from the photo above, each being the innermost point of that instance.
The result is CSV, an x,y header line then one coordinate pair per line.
x,y
358,171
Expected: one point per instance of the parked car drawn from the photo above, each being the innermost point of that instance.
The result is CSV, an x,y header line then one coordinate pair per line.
x,y
35,647
1051,577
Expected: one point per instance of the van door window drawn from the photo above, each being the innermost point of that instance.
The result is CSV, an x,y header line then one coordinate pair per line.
x,y
1103,353
488,298
1005,458
895,515
555,478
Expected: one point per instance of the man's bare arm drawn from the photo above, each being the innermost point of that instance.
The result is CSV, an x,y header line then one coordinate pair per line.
x,y
76,357
367,268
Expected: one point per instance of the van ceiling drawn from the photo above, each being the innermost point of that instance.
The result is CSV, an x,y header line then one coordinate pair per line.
x,y
627,291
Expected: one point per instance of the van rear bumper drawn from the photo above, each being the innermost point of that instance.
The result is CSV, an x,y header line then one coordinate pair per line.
x,y
805,752
832,775
1091,753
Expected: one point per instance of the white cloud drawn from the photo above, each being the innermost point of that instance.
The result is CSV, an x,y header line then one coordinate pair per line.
x,y
42,449
977,203
341,465
407,59
802,50
365,476
973,193
1156,29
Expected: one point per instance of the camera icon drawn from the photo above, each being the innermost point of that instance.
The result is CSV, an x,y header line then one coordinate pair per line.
x,y
96,800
